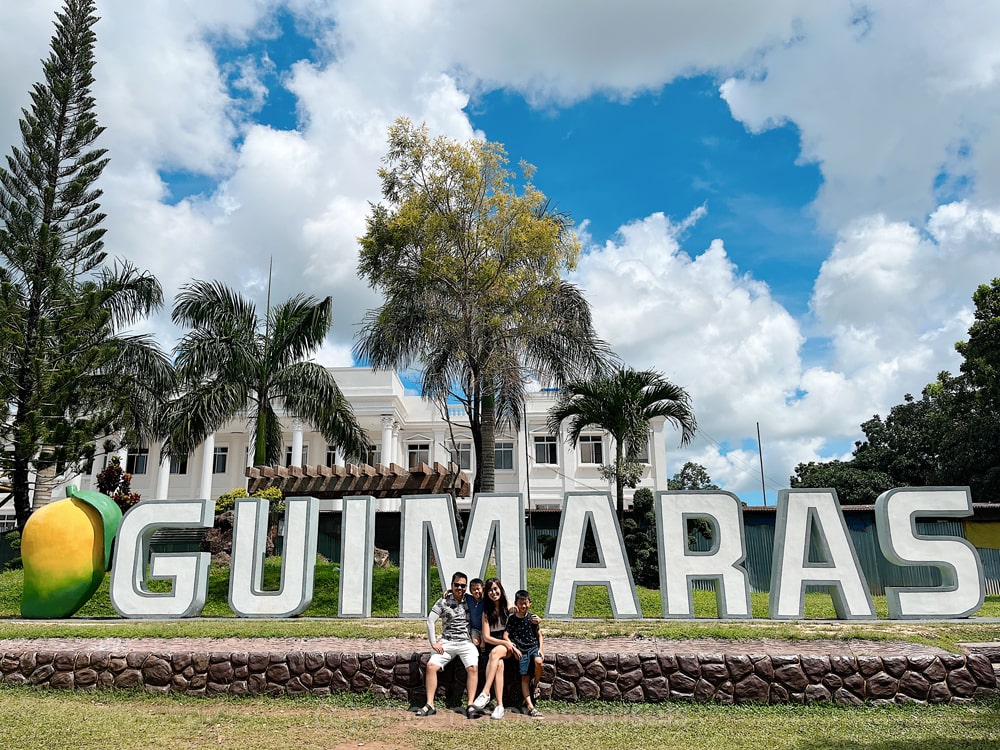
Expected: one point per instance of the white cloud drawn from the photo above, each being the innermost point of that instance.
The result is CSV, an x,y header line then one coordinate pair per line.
x,y
897,106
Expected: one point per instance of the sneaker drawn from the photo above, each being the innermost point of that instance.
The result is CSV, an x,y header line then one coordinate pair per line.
x,y
498,713
481,701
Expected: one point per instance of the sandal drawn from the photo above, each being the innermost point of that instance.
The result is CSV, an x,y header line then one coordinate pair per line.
x,y
535,713
427,710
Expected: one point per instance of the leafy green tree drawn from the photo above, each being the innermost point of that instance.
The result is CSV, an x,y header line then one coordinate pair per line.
x,y
622,404
854,486
69,372
949,436
639,533
232,360
469,266
692,476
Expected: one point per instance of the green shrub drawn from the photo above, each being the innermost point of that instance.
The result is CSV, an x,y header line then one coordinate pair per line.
x,y
273,495
13,540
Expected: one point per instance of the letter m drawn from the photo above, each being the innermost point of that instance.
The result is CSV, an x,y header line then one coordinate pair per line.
x,y
428,522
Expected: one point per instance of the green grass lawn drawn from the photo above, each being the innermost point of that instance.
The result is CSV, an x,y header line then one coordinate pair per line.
x,y
79,720
593,612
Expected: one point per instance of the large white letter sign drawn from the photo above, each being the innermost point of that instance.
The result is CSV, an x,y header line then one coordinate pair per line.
x,y
962,588
247,597
357,556
186,571
799,513
680,565
593,509
496,521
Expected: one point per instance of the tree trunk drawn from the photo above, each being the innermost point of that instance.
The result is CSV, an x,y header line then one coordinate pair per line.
x,y
45,480
619,481
487,468
260,440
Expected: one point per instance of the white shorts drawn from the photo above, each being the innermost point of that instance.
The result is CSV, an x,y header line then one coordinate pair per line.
x,y
465,650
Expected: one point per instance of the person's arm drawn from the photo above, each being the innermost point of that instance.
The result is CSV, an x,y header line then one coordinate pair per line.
x,y
541,643
432,618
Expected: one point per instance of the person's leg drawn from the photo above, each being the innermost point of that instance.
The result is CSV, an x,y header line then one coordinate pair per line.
x,y
431,682
498,681
495,662
526,692
538,670
471,681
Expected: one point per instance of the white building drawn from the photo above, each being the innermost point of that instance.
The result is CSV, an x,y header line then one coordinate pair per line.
x,y
405,430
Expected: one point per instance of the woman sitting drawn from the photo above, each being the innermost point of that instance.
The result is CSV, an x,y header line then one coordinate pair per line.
x,y
493,626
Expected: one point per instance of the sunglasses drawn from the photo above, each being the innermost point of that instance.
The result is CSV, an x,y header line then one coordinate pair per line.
x,y
458,585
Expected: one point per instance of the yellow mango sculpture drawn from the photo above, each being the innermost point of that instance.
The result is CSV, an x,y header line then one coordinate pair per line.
x,y
66,548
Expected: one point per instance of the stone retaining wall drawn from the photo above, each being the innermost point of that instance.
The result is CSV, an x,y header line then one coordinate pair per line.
x,y
723,678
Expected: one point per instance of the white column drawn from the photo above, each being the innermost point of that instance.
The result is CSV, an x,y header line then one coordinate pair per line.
x,y
440,448
251,446
521,463
207,457
296,442
567,464
163,479
387,454
658,454
339,459
122,454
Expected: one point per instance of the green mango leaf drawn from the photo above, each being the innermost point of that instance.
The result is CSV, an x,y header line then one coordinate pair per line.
x,y
111,515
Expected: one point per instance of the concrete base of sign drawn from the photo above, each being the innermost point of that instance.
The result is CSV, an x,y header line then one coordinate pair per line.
x,y
576,670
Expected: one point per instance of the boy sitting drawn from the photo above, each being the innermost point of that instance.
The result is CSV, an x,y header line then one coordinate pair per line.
x,y
527,642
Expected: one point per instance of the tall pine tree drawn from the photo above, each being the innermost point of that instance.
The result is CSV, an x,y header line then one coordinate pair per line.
x,y
68,373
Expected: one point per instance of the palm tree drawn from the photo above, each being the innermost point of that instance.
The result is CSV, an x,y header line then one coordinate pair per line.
x,y
232,360
623,403
483,358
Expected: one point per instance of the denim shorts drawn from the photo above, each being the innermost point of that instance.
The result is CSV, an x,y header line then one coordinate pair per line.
x,y
526,657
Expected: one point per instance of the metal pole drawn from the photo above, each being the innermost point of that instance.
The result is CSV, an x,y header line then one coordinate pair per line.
x,y
760,453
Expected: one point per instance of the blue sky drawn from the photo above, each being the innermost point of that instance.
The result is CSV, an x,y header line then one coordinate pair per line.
x,y
785,207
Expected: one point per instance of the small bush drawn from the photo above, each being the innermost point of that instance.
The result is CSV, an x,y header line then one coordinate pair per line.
x,y
273,495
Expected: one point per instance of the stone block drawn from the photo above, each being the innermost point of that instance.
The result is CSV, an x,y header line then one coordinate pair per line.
x,y
915,685
657,689
739,666
961,683
751,689
894,665
981,669
792,677
935,671
881,685
817,693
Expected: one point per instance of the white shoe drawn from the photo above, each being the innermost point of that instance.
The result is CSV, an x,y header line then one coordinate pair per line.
x,y
498,713
481,701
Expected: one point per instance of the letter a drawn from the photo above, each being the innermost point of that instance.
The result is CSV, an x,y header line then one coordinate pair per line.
x,y
580,510
799,512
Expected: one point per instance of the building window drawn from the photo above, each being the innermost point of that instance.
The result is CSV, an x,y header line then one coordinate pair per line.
x,y
545,450
331,456
137,461
374,455
418,453
179,467
591,449
642,454
288,455
504,456
462,455
219,459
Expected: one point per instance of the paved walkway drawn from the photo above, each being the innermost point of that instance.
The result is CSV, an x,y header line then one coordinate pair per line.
x,y
553,645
